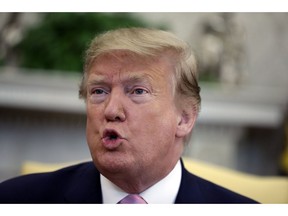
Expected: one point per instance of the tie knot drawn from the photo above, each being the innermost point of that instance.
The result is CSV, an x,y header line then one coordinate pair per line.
x,y
132,199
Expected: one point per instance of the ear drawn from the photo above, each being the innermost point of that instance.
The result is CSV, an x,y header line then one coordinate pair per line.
x,y
185,123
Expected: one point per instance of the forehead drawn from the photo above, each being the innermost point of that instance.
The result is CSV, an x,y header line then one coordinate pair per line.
x,y
123,63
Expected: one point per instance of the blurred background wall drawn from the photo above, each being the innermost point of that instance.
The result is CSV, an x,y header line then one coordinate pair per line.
x,y
243,75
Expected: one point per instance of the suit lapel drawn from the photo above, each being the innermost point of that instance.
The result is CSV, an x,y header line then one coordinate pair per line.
x,y
85,186
189,191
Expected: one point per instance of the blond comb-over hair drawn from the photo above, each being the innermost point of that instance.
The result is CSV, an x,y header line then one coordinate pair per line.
x,y
149,43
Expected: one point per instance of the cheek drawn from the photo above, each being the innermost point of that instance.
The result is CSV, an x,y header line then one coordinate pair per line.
x,y
92,125
152,125
155,140
94,115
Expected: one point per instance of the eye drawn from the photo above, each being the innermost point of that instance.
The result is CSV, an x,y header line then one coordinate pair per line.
x,y
98,95
139,94
139,91
98,91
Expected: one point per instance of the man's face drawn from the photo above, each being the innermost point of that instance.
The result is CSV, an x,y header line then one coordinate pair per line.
x,y
131,116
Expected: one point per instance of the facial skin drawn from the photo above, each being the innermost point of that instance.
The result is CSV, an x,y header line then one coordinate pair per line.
x,y
134,129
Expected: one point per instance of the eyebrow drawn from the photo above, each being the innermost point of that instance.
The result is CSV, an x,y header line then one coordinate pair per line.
x,y
99,79
129,79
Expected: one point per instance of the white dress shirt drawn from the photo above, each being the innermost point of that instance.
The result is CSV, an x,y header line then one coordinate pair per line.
x,y
163,192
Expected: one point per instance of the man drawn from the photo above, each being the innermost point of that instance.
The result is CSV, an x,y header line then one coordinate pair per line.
x,y
142,99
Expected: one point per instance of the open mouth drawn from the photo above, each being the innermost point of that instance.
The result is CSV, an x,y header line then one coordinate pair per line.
x,y
111,135
111,140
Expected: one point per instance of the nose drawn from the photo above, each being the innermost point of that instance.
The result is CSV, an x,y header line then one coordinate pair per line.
x,y
114,110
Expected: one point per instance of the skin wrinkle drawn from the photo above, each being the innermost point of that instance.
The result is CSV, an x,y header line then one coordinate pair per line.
x,y
166,55
132,78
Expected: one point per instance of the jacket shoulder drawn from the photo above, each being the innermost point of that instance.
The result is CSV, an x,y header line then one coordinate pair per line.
x,y
194,189
43,187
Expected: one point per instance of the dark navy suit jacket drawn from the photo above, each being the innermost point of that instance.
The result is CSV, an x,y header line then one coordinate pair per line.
x,y
81,184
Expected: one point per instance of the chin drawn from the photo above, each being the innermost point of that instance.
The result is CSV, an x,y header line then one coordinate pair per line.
x,y
111,164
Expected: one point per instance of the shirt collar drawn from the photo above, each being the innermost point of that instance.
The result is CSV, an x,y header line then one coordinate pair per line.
x,y
163,192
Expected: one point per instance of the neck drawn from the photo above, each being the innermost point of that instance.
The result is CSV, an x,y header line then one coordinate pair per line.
x,y
139,182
